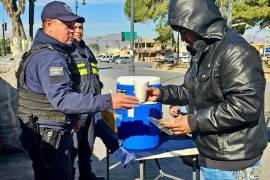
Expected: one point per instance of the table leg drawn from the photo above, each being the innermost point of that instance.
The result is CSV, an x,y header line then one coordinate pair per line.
x,y
195,171
108,163
194,163
142,169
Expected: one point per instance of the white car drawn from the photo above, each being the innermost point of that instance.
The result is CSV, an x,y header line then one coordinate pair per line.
x,y
122,60
185,57
106,58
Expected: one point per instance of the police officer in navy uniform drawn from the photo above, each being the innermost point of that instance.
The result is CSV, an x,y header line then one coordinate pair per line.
x,y
91,124
49,100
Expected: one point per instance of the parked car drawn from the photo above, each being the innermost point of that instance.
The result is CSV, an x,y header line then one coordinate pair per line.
x,y
185,57
170,58
115,57
106,58
122,60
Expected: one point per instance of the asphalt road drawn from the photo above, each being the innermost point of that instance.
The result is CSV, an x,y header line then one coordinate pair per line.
x,y
113,71
143,68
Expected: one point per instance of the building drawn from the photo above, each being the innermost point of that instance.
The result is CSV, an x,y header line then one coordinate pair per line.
x,y
148,50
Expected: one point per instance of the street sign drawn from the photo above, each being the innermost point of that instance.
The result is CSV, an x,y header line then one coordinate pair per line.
x,y
126,36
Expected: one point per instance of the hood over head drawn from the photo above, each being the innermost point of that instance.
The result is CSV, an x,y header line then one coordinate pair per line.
x,y
201,16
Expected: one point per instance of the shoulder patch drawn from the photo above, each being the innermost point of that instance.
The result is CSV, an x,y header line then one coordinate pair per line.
x,y
56,71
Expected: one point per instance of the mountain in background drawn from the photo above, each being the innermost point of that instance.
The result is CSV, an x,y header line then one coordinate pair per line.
x,y
107,41
115,40
253,39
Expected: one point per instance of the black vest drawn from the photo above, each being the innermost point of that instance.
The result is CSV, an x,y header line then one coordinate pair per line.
x,y
87,66
38,105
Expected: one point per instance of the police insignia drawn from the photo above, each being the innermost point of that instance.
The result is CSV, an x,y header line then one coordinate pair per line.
x,y
56,71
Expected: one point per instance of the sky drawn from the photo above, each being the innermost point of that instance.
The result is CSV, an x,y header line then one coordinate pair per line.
x,y
102,17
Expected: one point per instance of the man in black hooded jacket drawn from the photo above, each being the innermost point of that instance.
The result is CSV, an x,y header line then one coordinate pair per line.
x,y
224,93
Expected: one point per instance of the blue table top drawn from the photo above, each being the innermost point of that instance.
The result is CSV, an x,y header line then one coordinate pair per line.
x,y
167,144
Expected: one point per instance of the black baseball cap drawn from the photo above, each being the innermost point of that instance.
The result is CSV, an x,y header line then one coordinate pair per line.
x,y
60,10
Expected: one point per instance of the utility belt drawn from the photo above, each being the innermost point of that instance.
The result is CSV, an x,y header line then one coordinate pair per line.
x,y
49,136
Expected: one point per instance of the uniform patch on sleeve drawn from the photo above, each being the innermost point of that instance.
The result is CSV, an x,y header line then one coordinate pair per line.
x,y
56,71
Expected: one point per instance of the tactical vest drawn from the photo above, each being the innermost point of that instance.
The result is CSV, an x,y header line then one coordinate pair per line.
x,y
38,105
89,78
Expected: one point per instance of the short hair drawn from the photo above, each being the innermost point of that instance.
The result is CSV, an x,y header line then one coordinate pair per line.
x,y
43,25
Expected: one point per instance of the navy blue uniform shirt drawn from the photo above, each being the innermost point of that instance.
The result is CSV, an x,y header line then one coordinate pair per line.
x,y
84,51
47,73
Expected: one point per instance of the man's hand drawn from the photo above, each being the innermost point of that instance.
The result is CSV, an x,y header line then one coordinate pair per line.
x,y
122,101
152,94
179,125
174,111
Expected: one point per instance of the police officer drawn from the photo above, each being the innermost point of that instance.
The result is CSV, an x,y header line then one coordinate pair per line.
x,y
48,95
90,126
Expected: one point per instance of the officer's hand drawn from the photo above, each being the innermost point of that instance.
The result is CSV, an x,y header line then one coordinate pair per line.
x,y
179,126
122,101
76,126
174,111
152,94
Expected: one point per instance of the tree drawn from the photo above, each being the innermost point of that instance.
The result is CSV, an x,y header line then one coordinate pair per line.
x,y
153,10
165,36
252,12
14,10
94,46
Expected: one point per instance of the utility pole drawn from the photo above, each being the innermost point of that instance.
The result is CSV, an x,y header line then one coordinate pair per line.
x,y
229,12
265,45
77,5
31,17
98,49
131,65
178,47
4,28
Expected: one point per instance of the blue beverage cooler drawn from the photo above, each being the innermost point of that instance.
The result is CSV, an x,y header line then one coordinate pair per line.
x,y
134,127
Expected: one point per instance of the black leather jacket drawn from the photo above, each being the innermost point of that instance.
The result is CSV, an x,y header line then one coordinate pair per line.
x,y
225,88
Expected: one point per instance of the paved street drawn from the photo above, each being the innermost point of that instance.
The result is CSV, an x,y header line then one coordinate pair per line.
x,y
109,72
112,71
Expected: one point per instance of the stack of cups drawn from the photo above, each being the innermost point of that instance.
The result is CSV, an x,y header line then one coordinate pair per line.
x,y
140,87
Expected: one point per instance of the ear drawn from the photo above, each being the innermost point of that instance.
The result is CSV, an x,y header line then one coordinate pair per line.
x,y
47,22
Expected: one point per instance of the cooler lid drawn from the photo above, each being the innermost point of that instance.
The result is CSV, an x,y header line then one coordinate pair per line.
x,y
128,80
